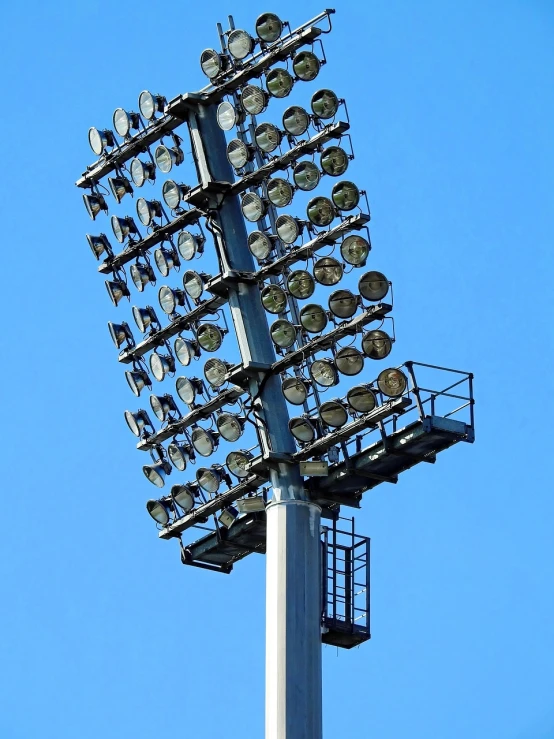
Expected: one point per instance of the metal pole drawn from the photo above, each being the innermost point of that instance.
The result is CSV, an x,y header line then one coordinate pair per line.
x,y
293,567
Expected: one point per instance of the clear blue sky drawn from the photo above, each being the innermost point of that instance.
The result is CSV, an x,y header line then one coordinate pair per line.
x,y
103,632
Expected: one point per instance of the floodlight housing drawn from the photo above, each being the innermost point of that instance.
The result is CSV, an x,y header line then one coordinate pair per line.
x,y
279,192
267,137
158,511
237,461
306,176
161,365
296,120
117,290
254,99
279,82
166,260
323,372
228,516
228,116
204,441
138,421
392,382
361,398
156,473
150,104
354,250
195,283
124,121
119,186
230,426
167,157
343,303
185,350
328,271
238,153
269,27
209,336
120,333
288,229
123,227
169,298
142,171
251,504
215,371
260,245
313,318
173,193
137,380
349,361
189,245
187,389
345,195
324,104
295,390
253,207
302,429
99,245
162,406
300,284
212,63
376,344
147,210
320,211
100,139
274,299
144,317
95,203
283,333
183,496
306,66
333,413
334,161
373,286
240,44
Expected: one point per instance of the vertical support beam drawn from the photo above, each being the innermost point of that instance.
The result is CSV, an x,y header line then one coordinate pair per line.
x,y
293,581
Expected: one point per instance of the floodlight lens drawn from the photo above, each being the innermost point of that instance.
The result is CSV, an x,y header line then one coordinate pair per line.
x,y
373,285
274,299
253,207
302,429
94,203
145,211
226,116
203,441
155,473
160,366
141,171
267,137
343,303
354,250
164,261
306,66
98,245
164,159
240,44
158,511
288,229
121,228
349,361
185,390
142,317
167,299
237,462
237,153
295,390
328,271
140,276
325,104
333,413
229,426
345,195
313,318
320,211
193,284
172,194
135,421
269,27
215,371
181,494
283,333
209,337
116,290
306,176
392,382
184,350
279,82
300,284
334,161
137,381
296,120
211,63
160,407
187,245
324,372
119,186
259,244
147,104
279,192
253,99
119,333
376,344
361,398
121,122
208,479
100,140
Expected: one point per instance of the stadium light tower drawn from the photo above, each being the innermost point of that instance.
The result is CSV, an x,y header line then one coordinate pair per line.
x,y
274,279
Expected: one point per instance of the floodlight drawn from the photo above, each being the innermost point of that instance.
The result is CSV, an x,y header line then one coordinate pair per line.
x,y
117,290
345,195
240,44
100,139
123,227
237,461
392,382
119,186
137,421
194,283
349,361
302,429
166,260
300,284
144,317
99,245
209,336
279,82
295,390
320,211
306,66
205,442
253,207
172,193
120,333
137,380
212,63
324,104
260,245
269,27
288,229
230,426
306,176
124,121
228,117
161,365
94,203
150,104
162,406
324,372
166,157
313,318
274,299
373,285
343,303
334,161
283,333
238,153
296,120
376,344
333,413
156,473
251,504
328,271
279,192
228,516
188,389
182,495
158,511
189,245
185,350
361,398
354,250
142,171
147,210
267,137
253,99
169,298
215,371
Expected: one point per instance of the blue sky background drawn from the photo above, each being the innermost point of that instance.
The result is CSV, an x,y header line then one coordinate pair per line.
x,y
103,632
